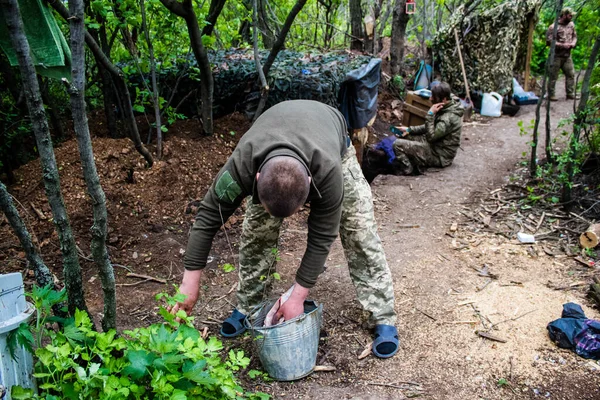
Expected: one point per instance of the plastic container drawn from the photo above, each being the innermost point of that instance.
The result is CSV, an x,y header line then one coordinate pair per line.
x,y
13,311
287,351
491,105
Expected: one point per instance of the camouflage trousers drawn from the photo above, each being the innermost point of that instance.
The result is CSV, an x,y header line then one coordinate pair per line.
x,y
368,267
566,65
415,152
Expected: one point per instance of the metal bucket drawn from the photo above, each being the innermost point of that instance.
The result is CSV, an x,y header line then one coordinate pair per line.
x,y
287,351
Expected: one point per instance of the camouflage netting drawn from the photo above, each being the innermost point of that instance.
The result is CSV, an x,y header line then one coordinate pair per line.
x,y
491,42
294,75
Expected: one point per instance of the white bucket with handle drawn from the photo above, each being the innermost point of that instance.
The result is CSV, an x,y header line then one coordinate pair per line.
x,y
491,105
14,310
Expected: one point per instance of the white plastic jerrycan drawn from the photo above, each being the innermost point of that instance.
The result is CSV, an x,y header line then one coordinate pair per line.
x,y
491,105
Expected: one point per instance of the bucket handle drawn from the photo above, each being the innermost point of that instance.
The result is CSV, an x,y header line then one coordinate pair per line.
x,y
496,96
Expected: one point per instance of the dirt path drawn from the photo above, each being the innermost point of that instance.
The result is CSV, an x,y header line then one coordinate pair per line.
x,y
439,347
436,285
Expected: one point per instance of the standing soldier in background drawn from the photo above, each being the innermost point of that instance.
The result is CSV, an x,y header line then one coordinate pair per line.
x,y
566,39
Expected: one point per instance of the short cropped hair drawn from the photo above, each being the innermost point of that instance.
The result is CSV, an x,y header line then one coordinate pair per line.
x,y
441,91
567,11
283,186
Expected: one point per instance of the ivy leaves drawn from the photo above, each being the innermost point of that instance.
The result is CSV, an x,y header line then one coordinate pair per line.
x,y
164,360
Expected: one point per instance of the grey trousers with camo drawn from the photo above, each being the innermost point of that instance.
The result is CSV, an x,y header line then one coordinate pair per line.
x,y
368,267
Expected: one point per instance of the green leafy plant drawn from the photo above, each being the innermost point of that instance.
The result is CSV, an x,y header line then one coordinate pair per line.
x,y
591,253
502,382
228,268
168,360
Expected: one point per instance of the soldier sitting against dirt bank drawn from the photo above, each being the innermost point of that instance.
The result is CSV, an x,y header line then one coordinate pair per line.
x,y
433,144
296,152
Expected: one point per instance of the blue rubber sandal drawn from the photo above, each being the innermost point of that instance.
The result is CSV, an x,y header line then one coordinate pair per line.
x,y
386,341
233,325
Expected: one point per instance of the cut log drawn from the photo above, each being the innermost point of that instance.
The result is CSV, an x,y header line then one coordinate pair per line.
x,y
590,238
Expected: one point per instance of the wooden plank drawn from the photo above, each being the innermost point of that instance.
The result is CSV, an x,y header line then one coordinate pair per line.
x,y
415,110
418,100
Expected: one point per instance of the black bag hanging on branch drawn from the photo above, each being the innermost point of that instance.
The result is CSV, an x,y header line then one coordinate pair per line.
x,y
358,94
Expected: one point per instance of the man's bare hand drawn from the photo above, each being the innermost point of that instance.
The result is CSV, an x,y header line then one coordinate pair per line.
x,y
436,107
190,286
294,306
403,129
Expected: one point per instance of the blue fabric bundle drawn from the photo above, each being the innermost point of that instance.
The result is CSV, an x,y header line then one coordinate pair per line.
x,y
574,331
387,145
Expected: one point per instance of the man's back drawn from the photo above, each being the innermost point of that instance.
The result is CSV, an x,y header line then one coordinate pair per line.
x,y
311,131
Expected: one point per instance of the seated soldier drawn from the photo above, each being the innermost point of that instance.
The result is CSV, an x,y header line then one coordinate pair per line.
x,y
435,143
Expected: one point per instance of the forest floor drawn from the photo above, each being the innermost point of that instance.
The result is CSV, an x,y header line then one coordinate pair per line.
x,y
456,268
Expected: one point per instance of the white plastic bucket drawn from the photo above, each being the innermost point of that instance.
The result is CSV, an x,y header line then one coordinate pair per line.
x,y
14,310
491,105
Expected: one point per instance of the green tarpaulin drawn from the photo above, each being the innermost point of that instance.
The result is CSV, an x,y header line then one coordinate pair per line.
x,y
49,50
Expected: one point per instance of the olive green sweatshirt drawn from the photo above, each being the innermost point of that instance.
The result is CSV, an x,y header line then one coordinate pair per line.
x,y
311,132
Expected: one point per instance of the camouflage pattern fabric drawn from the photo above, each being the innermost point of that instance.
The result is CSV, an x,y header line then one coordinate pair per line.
x,y
442,133
368,267
260,236
566,65
566,38
492,38
414,152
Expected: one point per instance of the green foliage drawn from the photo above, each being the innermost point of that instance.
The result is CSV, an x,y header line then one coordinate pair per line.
x,y
15,130
167,360
591,253
502,382
228,268
586,26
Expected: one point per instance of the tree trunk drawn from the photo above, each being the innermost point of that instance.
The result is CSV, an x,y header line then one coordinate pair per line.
x,y
154,84
129,37
59,132
282,35
245,26
108,94
72,270
185,10
216,6
399,22
356,25
535,139
376,14
268,34
42,274
77,92
580,118
548,66
120,85
264,90
276,49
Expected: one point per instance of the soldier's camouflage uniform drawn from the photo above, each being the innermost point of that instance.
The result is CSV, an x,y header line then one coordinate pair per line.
x,y
340,202
566,39
358,232
433,144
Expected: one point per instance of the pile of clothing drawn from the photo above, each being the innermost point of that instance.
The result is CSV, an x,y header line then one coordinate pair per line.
x,y
574,331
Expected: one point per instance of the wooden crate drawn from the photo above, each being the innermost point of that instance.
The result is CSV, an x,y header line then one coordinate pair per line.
x,y
415,109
